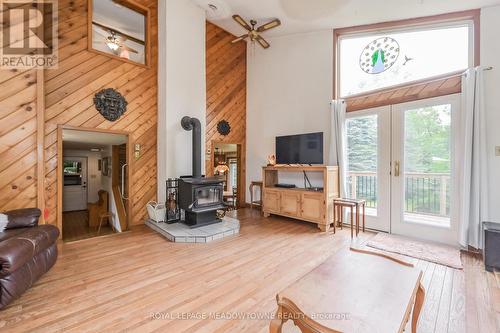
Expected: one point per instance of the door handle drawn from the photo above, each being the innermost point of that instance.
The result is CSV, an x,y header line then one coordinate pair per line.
x,y
123,181
396,168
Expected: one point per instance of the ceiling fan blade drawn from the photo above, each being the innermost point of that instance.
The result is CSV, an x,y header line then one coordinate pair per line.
x,y
262,42
242,22
121,38
129,49
101,34
242,37
270,25
111,31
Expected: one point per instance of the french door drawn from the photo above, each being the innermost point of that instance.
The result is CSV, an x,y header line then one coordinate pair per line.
x,y
400,159
368,163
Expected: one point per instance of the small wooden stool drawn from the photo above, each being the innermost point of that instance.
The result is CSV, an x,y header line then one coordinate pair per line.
x,y
102,217
340,204
252,201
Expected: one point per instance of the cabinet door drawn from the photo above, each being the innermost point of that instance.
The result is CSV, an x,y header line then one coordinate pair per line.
x,y
290,203
271,201
313,207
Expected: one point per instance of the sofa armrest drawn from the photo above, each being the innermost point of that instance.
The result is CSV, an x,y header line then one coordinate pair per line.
x,y
23,218
14,253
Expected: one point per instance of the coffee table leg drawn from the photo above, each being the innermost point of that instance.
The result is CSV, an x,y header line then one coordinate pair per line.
x,y
352,219
357,220
277,323
334,218
417,307
341,216
364,217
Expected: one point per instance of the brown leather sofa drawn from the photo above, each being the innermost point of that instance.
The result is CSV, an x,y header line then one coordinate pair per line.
x,y
27,251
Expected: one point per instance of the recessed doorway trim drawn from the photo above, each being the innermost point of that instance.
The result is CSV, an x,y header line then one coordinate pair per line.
x,y
241,155
60,179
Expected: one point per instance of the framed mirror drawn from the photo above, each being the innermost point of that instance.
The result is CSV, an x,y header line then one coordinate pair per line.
x,y
120,29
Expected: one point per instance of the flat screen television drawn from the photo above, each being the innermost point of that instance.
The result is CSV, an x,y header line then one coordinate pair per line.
x,y
300,149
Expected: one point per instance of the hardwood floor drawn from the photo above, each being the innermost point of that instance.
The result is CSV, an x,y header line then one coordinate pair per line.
x,y
138,281
76,227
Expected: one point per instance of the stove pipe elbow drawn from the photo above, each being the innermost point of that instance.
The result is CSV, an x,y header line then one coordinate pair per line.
x,y
194,125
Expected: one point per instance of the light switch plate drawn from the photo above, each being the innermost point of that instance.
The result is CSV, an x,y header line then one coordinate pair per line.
x,y
497,150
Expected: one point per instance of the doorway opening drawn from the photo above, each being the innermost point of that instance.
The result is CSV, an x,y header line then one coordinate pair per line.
x,y
94,183
227,163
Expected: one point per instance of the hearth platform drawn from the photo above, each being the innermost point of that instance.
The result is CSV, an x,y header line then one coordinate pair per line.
x,y
181,233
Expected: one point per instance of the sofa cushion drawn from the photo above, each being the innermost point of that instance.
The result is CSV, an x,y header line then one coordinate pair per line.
x,y
9,233
23,218
21,247
13,285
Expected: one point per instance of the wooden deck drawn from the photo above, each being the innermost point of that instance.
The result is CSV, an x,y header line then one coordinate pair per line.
x,y
138,281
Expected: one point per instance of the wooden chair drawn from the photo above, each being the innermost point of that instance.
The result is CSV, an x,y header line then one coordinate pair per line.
x,y
233,199
99,212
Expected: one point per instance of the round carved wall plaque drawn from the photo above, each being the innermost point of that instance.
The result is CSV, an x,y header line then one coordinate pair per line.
x,y
223,127
110,104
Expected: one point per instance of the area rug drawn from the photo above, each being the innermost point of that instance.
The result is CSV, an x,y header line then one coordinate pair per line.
x,y
436,253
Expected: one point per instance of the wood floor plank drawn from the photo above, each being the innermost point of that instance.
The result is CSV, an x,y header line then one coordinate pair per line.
x,y
457,317
428,317
443,313
127,282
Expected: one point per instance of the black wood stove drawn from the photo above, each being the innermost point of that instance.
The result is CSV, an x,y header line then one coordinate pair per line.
x,y
200,197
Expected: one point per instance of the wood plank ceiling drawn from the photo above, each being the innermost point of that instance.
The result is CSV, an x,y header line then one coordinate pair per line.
x,y
412,92
69,92
226,70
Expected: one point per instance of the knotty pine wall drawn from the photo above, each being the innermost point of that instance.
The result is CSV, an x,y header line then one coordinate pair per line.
x,y
226,70
19,120
68,100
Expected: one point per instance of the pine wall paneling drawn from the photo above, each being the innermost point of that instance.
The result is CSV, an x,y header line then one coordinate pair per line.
x,y
226,68
68,101
20,117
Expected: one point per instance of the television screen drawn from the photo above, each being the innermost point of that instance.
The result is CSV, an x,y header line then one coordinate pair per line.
x,y
300,149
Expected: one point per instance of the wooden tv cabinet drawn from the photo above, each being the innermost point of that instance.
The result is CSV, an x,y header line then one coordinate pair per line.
x,y
300,203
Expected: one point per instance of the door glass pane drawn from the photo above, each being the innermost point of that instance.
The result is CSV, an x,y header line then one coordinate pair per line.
x,y
362,160
427,165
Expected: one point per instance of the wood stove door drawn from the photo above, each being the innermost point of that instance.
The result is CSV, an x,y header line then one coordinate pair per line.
x,y
207,196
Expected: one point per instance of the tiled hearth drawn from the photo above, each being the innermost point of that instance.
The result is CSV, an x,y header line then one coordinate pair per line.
x,y
181,233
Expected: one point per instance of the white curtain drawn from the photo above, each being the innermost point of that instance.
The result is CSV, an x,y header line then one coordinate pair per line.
x,y
338,154
471,153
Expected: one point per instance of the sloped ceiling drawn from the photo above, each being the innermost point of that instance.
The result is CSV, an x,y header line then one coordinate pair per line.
x,y
299,16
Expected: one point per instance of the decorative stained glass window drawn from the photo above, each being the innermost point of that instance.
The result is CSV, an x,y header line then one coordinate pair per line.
x,y
379,55
381,60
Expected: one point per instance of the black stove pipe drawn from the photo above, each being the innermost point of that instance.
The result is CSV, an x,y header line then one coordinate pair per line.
x,y
193,124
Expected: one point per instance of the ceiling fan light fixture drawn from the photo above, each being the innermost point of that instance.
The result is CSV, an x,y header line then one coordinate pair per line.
x,y
254,33
113,46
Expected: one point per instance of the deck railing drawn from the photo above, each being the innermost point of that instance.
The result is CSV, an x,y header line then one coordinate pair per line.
x,y
425,193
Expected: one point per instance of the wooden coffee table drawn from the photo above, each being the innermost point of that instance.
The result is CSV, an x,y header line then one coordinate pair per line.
x,y
353,291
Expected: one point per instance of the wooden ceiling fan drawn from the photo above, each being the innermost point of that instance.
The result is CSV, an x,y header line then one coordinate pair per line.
x,y
254,33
